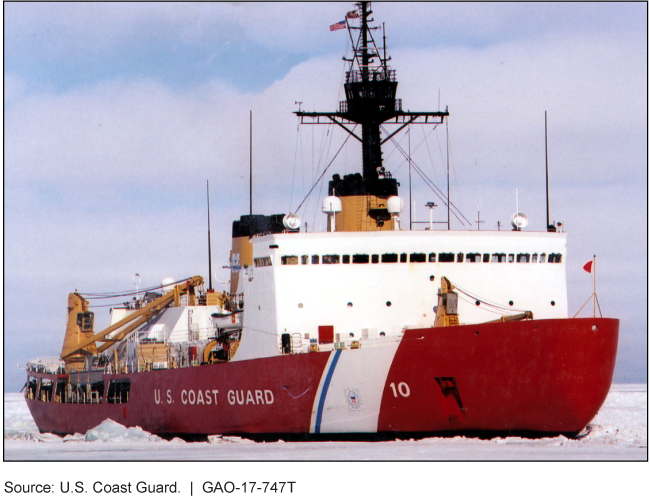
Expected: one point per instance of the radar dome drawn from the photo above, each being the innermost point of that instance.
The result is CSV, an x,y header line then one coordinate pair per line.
x,y
167,284
332,204
519,220
395,204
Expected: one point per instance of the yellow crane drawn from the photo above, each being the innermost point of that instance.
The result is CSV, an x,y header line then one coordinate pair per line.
x,y
80,342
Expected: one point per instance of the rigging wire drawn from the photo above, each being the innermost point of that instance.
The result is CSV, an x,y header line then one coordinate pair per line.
x,y
400,145
488,303
109,295
433,187
453,167
325,170
433,165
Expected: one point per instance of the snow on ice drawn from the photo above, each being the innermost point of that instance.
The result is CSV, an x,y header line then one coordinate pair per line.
x,y
619,432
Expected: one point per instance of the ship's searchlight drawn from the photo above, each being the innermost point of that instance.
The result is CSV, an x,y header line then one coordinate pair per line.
x,y
331,206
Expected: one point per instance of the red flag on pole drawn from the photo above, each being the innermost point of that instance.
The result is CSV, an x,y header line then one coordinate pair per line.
x,y
588,266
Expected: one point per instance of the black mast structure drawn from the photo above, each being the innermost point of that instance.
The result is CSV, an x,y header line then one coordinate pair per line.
x,y
370,90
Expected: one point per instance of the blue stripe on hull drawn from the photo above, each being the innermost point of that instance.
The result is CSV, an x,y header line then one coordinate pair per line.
x,y
323,393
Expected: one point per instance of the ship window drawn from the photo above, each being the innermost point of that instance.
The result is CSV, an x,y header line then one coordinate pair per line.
x,y
289,260
446,257
418,257
459,257
375,258
402,258
346,259
264,261
331,259
523,258
486,258
389,258
534,258
554,258
542,258
85,321
473,257
432,257
511,258
360,258
304,259
118,391
498,258
315,259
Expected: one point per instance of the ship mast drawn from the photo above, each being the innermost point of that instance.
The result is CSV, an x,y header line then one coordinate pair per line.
x,y
370,91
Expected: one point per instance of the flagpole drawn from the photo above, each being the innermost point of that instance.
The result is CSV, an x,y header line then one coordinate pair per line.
x,y
594,286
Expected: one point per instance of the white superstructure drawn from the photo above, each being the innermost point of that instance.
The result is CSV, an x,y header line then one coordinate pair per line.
x,y
371,285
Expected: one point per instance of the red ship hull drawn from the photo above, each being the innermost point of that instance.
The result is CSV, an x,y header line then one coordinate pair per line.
x,y
542,376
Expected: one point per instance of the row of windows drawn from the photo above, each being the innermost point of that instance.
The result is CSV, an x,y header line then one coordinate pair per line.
x,y
443,257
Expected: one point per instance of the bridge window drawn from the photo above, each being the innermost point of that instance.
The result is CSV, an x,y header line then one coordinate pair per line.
x,y
315,259
446,257
331,259
523,258
346,259
498,258
432,257
265,261
388,258
402,258
511,258
304,259
375,258
486,258
289,260
459,257
360,259
534,260
542,258
473,257
418,258
554,258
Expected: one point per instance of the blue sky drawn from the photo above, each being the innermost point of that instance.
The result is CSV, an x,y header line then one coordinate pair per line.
x,y
116,114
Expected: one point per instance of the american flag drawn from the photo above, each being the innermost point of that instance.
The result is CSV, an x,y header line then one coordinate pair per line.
x,y
338,25
353,14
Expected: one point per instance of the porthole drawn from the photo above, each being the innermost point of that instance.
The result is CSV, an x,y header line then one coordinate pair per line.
x,y
476,332
594,328
299,305
510,303
552,303
432,278
351,334
349,305
478,303
388,303
382,334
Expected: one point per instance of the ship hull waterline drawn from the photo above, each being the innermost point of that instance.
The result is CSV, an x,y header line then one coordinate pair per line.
x,y
537,376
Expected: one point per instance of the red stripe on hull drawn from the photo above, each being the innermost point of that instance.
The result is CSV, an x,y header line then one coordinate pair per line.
x,y
268,395
539,375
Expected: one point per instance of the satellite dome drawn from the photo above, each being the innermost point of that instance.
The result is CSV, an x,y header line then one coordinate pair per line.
x,y
395,204
168,284
332,204
519,221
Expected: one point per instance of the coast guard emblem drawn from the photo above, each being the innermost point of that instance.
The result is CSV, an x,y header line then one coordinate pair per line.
x,y
354,401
